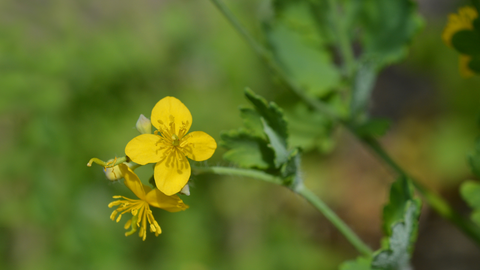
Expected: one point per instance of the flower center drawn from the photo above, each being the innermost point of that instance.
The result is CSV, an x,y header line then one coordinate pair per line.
x,y
169,133
175,140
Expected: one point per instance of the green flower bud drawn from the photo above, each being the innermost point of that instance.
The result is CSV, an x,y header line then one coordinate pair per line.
x,y
113,173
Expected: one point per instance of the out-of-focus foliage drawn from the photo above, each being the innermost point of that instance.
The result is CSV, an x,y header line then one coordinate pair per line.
x,y
471,194
388,28
300,47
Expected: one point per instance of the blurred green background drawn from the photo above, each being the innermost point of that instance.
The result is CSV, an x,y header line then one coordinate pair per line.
x,y
75,76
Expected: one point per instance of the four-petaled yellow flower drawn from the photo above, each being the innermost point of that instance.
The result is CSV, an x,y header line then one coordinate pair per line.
x,y
140,209
170,145
458,22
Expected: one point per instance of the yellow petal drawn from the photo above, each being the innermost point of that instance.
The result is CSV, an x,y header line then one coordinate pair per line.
x,y
170,109
172,173
132,181
198,146
144,149
170,203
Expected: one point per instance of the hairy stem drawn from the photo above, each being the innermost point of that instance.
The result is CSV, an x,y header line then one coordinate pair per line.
x,y
239,172
335,220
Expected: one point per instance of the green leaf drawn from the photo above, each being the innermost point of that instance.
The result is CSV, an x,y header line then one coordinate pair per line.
x,y
309,130
274,125
252,122
360,263
400,243
388,27
401,192
400,218
299,48
291,169
373,128
470,191
466,42
363,86
246,150
277,143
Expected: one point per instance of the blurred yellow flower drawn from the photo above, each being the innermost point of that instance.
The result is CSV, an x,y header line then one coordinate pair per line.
x,y
458,22
140,209
170,145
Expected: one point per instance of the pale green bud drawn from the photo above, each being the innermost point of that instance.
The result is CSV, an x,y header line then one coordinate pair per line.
x,y
144,126
185,190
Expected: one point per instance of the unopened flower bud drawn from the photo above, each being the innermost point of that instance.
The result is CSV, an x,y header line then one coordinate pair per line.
x,y
144,126
185,190
113,173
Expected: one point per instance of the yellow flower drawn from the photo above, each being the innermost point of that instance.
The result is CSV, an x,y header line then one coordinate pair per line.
x,y
170,145
140,209
458,22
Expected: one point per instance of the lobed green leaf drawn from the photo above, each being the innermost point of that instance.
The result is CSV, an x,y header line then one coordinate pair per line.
x,y
388,27
252,122
300,48
400,243
274,126
246,150
309,130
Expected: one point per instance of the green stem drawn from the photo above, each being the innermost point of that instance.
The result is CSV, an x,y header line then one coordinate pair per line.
x,y
335,220
266,56
111,163
434,200
240,172
302,191
342,40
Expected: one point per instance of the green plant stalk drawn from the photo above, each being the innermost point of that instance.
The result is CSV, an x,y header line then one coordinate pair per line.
x,y
302,191
436,202
267,57
100,162
238,172
335,220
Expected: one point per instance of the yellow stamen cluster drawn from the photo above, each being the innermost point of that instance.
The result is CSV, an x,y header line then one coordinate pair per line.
x,y
173,146
140,211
